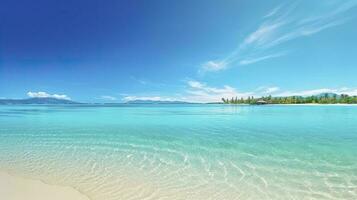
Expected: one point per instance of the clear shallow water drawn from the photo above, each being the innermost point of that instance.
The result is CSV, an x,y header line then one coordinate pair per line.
x,y
188,152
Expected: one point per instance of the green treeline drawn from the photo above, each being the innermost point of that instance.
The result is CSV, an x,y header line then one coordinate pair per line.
x,y
321,99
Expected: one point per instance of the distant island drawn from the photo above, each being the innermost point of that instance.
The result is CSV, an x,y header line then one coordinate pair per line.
x,y
36,100
325,98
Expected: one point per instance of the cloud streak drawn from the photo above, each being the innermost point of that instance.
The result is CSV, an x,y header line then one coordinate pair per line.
x,y
273,12
200,92
214,66
267,90
248,61
348,91
197,92
108,98
46,95
148,98
282,24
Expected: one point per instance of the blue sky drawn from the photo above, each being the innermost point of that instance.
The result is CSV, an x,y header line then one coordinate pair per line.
x,y
114,51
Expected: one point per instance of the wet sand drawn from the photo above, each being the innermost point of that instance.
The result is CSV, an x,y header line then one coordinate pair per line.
x,y
17,188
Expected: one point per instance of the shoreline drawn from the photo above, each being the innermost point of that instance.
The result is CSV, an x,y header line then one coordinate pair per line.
x,y
18,188
317,104
301,104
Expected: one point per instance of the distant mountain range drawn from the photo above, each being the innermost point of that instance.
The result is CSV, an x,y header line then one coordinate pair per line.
x,y
36,101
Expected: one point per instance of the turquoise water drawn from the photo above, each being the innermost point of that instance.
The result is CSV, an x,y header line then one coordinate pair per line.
x,y
196,152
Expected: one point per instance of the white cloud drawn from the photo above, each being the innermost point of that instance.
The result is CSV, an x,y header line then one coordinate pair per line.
x,y
213,66
109,98
248,61
196,92
147,98
288,24
46,95
273,12
195,84
143,82
305,92
310,30
343,90
263,34
201,92
280,25
270,90
262,91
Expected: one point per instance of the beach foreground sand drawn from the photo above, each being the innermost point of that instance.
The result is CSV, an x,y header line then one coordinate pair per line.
x,y
17,188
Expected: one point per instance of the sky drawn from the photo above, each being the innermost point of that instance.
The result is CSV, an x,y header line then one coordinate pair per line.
x,y
198,51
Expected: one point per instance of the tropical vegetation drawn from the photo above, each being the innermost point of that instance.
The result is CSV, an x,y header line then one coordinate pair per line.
x,y
319,99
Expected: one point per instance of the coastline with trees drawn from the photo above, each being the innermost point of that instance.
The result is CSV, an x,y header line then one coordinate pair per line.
x,y
326,98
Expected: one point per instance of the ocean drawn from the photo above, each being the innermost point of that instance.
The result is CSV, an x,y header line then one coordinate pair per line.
x,y
185,152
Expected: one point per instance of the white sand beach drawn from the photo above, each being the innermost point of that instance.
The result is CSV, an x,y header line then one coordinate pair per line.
x,y
17,188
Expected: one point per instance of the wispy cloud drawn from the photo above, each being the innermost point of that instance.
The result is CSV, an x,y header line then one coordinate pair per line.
x,y
273,12
143,82
108,98
46,95
344,90
272,90
148,98
248,61
267,90
197,92
263,34
214,66
150,83
281,25
200,92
